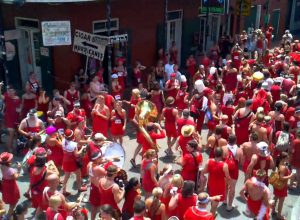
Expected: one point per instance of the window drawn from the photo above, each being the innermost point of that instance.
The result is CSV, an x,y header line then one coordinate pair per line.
x,y
101,25
27,23
174,15
172,30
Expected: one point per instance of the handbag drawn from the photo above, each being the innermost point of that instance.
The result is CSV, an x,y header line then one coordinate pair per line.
x,y
275,181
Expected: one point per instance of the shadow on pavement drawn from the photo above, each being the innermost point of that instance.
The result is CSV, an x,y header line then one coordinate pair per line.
x,y
228,215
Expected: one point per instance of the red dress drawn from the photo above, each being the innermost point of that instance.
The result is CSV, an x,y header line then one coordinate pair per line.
x,y
242,126
71,98
170,122
11,116
254,207
233,164
116,127
193,213
100,125
107,197
180,100
147,183
184,203
27,105
128,203
199,107
182,142
295,160
281,193
229,111
37,191
132,109
216,179
121,80
95,197
10,190
190,169
53,215
172,92
69,159
56,154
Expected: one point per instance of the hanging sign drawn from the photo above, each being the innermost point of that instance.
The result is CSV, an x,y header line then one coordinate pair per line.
x,y
56,33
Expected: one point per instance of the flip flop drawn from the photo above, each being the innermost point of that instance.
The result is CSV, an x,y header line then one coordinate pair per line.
x,y
132,161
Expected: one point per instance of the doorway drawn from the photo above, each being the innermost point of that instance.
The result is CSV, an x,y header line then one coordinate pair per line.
x,y
275,21
174,31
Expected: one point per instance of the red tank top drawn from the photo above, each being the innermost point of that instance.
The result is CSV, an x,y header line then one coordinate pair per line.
x,y
107,196
184,203
170,118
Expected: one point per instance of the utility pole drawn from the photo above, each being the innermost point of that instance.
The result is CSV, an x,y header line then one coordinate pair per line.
x,y
166,26
3,49
206,25
266,19
109,52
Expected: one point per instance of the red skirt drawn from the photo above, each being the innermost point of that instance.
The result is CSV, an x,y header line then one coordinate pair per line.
x,y
69,166
10,192
281,193
254,207
95,197
171,130
116,129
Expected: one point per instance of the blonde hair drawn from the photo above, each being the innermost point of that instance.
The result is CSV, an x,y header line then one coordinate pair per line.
x,y
149,153
177,180
157,192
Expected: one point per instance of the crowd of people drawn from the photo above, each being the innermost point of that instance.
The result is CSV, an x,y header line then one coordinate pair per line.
x,y
243,91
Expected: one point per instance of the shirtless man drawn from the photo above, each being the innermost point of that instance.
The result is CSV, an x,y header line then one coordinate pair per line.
x,y
259,129
257,196
249,148
96,171
215,140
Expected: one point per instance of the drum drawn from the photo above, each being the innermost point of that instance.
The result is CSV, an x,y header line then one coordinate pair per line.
x,y
113,150
258,76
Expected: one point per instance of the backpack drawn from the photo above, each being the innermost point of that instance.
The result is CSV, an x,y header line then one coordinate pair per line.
x,y
283,141
275,181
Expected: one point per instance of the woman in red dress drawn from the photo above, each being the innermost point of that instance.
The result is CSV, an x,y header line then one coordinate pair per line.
x,y
53,143
182,98
138,72
134,100
43,103
38,182
121,72
242,119
118,122
181,201
191,66
149,171
116,87
132,193
86,103
12,105
52,212
156,209
10,190
284,175
170,114
28,102
218,173
158,99
100,115
72,95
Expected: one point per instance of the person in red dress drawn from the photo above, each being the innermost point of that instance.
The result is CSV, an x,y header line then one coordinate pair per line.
x,y
199,105
53,143
172,86
190,161
242,119
187,134
156,209
199,211
10,190
118,123
284,175
170,114
257,194
182,98
29,101
269,36
138,72
132,194
43,103
12,108
116,87
70,160
157,98
181,201
72,95
218,174
75,114
52,212
121,72
111,193
149,171
100,115
151,129
191,66
295,160
86,102
233,157
228,110
134,100
96,172
38,182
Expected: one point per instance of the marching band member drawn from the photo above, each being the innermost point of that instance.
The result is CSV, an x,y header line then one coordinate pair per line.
x,y
100,115
71,161
53,143
72,95
30,125
151,144
95,144
118,122
75,114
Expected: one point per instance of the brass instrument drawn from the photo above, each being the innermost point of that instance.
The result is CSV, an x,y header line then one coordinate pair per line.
x,y
146,111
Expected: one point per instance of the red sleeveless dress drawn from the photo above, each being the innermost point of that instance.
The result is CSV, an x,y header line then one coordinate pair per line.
x,y
254,207
95,197
100,125
56,154
107,197
37,191
27,105
184,203
71,98
242,126
129,201
69,161
180,101
11,116
10,190
132,109
147,183
216,179
170,123
116,127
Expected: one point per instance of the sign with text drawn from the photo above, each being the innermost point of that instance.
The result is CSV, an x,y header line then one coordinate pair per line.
x,y
56,33
245,6
90,45
118,38
213,6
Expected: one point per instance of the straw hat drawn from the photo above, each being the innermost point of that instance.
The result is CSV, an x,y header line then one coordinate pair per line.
x,y
187,130
170,100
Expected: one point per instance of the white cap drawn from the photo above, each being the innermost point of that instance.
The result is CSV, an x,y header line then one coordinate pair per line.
x,y
199,85
212,70
99,136
263,148
114,76
183,78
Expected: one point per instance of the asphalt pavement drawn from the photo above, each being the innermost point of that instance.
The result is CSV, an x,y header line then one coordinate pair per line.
x,y
291,206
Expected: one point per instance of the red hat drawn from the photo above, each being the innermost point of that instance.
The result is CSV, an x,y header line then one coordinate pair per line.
x,y
84,211
80,119
69,133
207,91
173,75
120,59
6,157
40,151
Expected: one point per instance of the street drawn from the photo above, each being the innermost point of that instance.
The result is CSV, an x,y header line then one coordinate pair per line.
x,y
291,205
